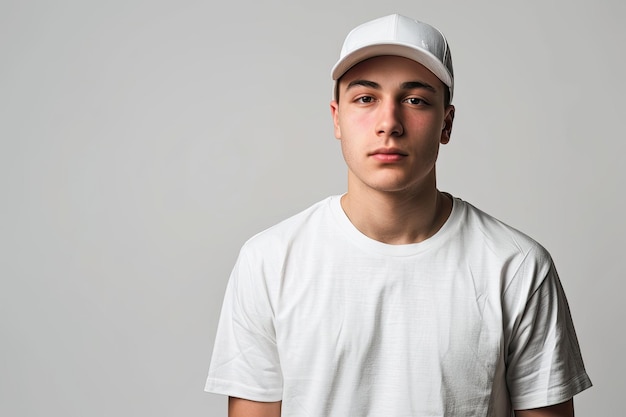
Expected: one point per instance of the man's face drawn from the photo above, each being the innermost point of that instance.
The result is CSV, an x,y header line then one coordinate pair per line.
x,y
391,119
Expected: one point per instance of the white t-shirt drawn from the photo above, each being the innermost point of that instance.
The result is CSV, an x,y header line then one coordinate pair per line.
x,y
470,322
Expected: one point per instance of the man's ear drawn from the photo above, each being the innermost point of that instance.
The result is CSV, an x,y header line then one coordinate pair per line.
x,y
334,111
448,120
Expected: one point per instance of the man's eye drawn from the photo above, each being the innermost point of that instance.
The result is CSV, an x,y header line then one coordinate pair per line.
x,y
365,99
415,101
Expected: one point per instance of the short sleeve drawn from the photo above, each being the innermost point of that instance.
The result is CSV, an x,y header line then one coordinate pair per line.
x,y
245,361
544,363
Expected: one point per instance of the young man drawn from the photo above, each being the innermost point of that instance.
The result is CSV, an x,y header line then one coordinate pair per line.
x,y
395,299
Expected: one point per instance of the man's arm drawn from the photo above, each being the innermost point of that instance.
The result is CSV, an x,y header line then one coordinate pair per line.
x,y
565,409
238,407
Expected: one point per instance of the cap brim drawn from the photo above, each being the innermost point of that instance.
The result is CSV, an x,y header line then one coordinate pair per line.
x,y
395,49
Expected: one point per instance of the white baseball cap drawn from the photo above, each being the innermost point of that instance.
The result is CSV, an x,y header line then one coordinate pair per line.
x,y
399,36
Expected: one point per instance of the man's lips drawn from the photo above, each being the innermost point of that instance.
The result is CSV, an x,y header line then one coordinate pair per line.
x,y
388,154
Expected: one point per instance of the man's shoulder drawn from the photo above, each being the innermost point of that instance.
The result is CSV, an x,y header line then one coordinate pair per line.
x,y
296,226
495,234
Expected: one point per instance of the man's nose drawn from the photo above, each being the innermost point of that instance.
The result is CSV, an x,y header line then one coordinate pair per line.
x,y
389,121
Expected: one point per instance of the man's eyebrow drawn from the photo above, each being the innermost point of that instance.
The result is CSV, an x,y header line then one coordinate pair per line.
x,y
411,85
364,83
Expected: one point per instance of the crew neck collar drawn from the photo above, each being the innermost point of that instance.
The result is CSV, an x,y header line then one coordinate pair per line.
x,y
402,250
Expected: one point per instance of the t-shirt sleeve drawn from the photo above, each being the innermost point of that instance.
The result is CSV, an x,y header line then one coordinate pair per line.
x,y
544,363
245,361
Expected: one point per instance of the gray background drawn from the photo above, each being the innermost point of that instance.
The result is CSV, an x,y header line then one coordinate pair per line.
x,y
142,142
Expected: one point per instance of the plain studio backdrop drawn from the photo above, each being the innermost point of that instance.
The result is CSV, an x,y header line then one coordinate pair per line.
x,y
142,142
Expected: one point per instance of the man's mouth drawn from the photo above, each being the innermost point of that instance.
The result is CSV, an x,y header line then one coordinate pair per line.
x,y
388,154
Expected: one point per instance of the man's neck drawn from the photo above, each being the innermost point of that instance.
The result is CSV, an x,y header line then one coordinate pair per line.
x,y
397,218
